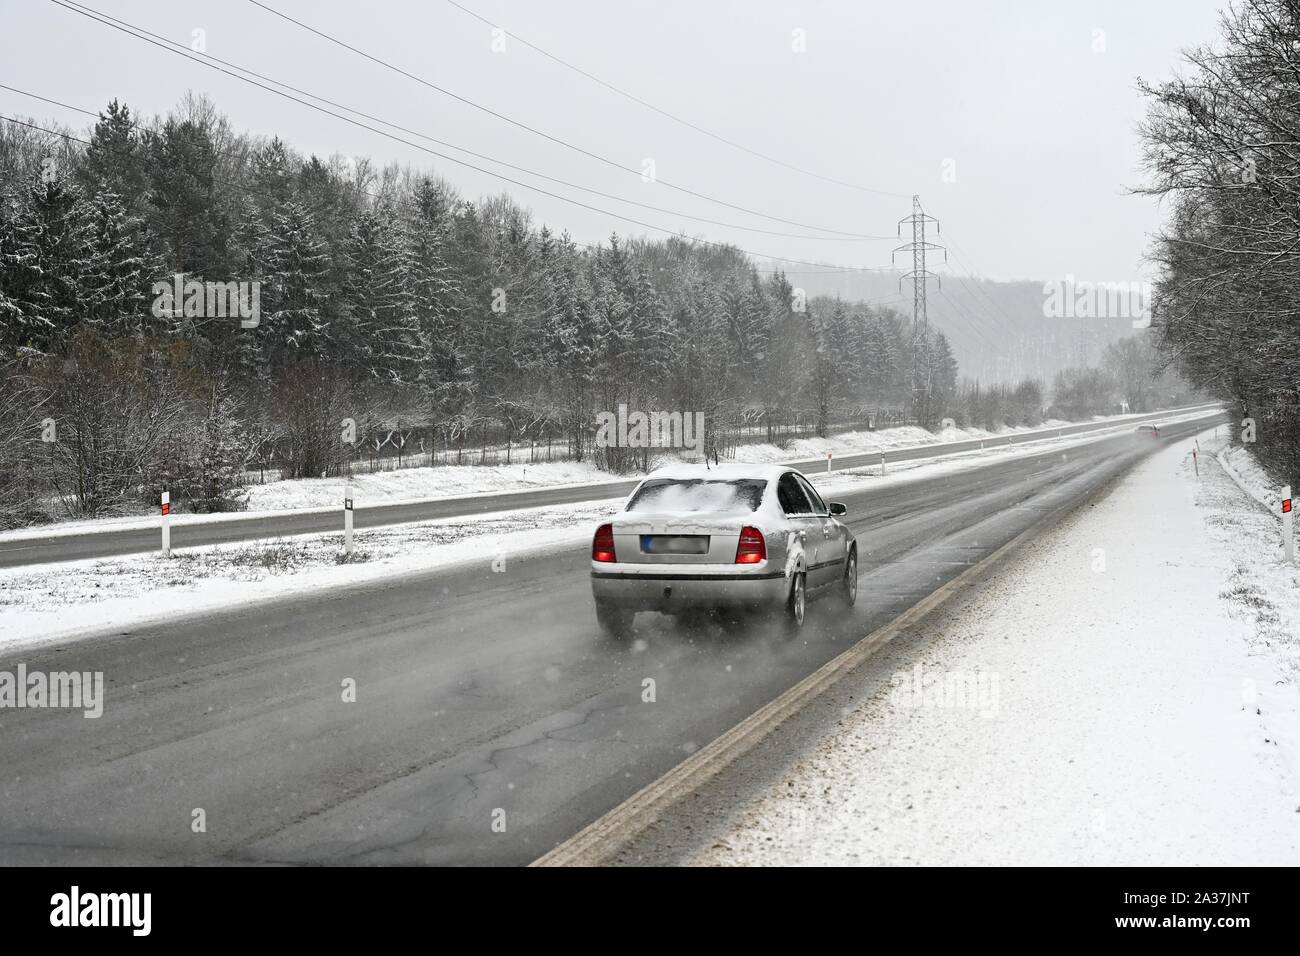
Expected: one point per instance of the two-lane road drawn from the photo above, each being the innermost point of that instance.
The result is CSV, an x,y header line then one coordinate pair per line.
x,y
490,722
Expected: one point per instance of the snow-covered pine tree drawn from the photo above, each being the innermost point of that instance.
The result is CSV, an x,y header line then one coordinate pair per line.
x,y
117,158
51,243
120,270
23,329
435,289
294,302
185,210
377,331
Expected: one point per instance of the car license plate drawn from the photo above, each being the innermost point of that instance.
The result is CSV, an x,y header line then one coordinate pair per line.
x,y
675,544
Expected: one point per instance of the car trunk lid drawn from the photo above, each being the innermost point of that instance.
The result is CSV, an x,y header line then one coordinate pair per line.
x,y
677,539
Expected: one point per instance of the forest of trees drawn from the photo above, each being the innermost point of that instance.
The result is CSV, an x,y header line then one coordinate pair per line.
x,y
384,297
1223,148
389,300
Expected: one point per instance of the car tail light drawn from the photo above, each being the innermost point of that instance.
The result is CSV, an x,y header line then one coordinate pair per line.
x,y
752,547
602,546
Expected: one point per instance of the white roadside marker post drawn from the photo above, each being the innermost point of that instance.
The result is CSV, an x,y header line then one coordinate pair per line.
x,y
882,464
347,519
166,524
828,463
1288,537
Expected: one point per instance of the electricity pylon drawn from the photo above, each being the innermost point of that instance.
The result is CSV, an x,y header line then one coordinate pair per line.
x,y
920,321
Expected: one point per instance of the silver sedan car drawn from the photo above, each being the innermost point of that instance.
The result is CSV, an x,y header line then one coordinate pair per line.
x,y
740,537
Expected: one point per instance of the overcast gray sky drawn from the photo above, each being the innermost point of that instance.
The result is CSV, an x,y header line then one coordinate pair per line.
x,y
1040,127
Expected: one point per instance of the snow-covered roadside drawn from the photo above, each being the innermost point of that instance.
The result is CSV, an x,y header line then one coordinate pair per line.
x,y
1250,476
1262,591
1104,699
409,485
423,485
41,603
417,484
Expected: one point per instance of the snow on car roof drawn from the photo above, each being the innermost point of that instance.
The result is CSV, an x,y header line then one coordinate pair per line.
x,y
729,471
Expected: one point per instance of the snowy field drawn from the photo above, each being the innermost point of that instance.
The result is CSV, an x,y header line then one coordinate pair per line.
x,y
1123,692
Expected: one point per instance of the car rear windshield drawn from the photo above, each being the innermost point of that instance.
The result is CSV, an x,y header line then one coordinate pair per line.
x,y
698,494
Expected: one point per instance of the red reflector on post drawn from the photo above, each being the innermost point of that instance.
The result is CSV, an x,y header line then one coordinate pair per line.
x,y
602,545
1286,506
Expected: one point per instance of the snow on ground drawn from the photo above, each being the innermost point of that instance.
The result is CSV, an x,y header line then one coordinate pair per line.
x,y
1122,692
40,603
321,495
417,484
1261,590
1249,474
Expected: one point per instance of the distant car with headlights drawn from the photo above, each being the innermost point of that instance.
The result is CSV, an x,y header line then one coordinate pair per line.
x,y
740,537
1146,431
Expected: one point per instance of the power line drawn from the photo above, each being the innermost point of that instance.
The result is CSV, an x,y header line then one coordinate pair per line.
x,y
989,331
998,308
976,311
377,199
1085,335
979,297
42,129
128,28
524,126
672,116
234,186
841,237
470,152
973,329
833,271
979,310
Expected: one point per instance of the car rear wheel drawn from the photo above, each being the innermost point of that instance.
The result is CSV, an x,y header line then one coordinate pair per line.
x,y
849,583
614,621
796,605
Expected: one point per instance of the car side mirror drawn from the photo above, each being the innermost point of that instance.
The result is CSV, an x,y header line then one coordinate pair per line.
x,y
838,510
